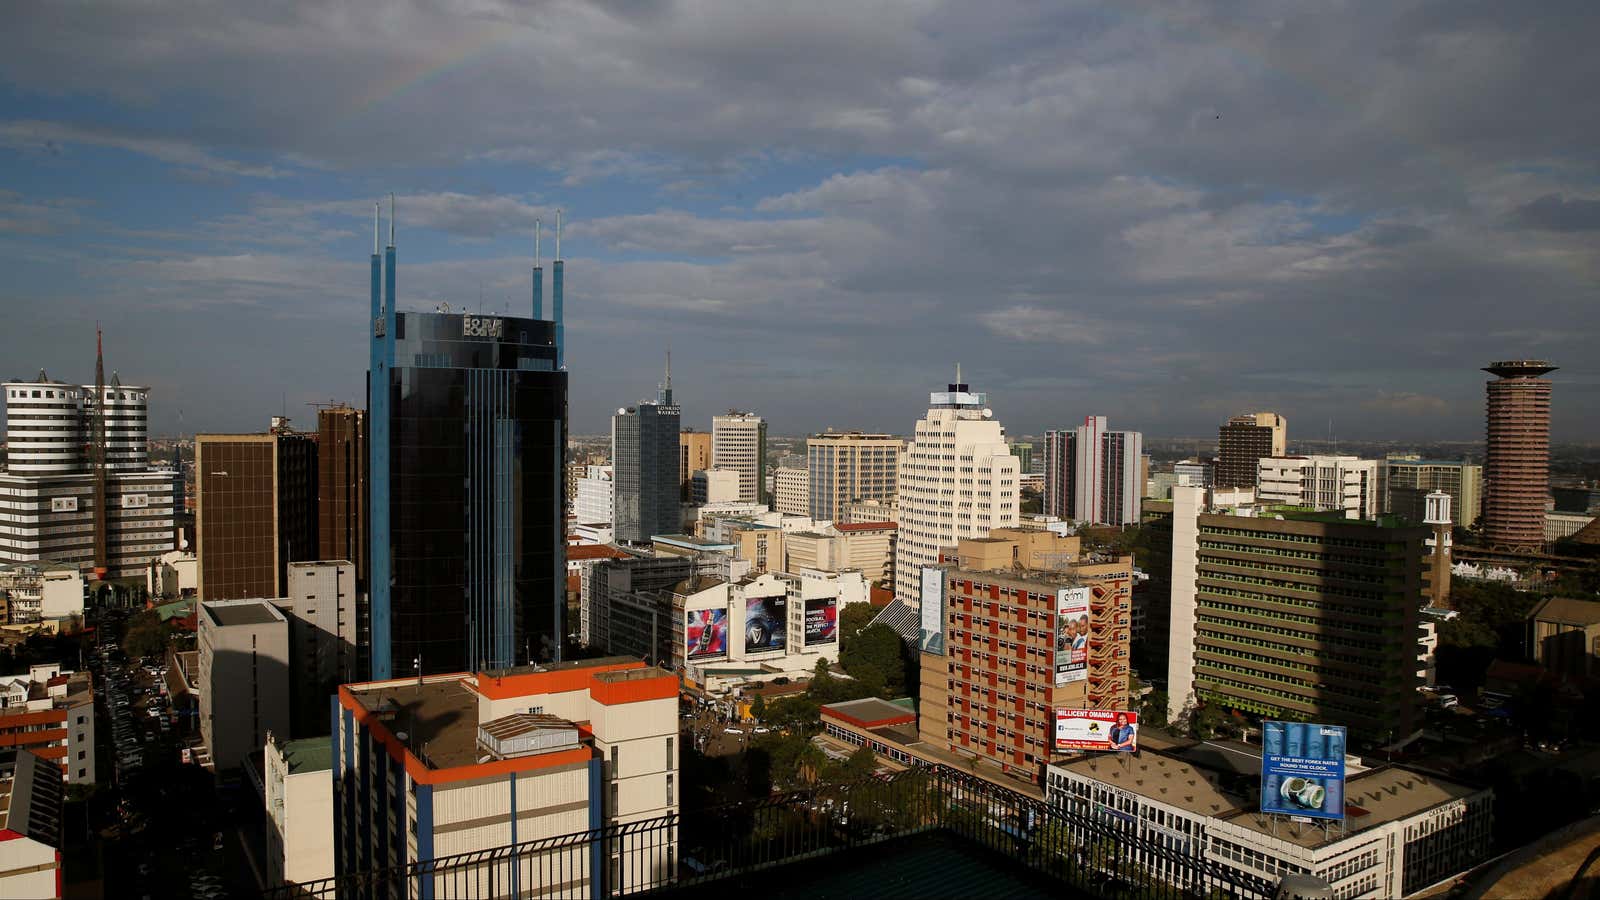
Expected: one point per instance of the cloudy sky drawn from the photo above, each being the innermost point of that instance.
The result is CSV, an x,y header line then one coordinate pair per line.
x,y
1162,212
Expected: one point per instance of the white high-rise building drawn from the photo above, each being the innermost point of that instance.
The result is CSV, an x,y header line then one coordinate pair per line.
x,y
739,442
791,492
593,504
958,479
1321,482
47,492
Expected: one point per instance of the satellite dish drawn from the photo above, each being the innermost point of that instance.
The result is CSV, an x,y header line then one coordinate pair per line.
x,y
988,413
622,410
402,736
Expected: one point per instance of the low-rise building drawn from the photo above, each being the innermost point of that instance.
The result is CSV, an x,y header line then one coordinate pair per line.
x,y
869,511
867,547
452,764
1559,525
50,712
174,575
32,809
244,677
708,486
1564,634
1403,830
774,623
298,790
41,592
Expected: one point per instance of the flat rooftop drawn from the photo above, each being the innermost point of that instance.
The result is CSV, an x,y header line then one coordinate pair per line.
x,y
436,720
1372,797
227,613
871,712
308,755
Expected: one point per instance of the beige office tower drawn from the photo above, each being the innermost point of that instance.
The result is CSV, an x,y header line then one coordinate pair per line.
x,y
958,480
850,466
739,442
694,455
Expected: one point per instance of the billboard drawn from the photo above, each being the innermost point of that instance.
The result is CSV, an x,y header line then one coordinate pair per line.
x,y
1302,770
705,633
1097,729
766,623
932,630
1072,635
822,621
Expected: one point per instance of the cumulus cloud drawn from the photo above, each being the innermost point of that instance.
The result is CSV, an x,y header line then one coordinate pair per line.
x,y
1177,210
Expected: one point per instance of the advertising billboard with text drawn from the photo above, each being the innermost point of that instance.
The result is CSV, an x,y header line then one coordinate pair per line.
x,y
1302,770
766,623
1072,635
932,612
822,621
705,633
1097,729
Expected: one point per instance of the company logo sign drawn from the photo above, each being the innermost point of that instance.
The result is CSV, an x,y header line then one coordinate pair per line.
x,y
482,327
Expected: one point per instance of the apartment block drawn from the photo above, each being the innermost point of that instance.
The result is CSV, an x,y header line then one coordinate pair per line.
x,y
1005,646
1093,474
1322,483
452,764
1292,614
50,712
850,466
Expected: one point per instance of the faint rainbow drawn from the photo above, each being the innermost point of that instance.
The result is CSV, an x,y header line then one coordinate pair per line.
x,y
446,60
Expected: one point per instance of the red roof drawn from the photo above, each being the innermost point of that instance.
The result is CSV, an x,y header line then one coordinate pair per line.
x,y
867,526
594,551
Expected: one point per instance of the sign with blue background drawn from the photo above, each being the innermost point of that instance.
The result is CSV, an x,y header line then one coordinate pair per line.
x,y
1302,770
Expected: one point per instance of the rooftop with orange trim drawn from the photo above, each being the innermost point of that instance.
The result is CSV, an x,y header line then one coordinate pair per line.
x,y
433,724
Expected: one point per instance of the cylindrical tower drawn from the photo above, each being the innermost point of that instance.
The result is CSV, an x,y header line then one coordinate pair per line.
x,y
127,424
44,427
1516,470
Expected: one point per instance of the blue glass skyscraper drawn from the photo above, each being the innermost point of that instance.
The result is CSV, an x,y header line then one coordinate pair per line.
x,y
468,433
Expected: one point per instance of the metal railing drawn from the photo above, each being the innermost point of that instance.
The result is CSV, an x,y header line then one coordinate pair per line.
x,y
1097,855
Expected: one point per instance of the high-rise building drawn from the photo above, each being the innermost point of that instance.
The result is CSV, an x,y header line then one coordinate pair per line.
x,y
468,428
694,455
1093,474
739,442
342,487
596,498
476,761
1243,441
244,677
320,604
1023,451
1321,483
1065,644
957,480
850,466
791,492
1516,468
645,455
54,503
256,510
1330,637
1407,481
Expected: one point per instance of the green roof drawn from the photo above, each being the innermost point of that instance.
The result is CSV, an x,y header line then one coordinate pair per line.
x,y
175,609
308,755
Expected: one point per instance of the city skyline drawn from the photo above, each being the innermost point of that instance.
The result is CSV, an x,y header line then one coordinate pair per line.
x,y
1188,215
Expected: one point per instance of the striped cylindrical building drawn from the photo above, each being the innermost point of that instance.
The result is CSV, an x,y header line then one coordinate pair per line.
x,y
127,424
44,427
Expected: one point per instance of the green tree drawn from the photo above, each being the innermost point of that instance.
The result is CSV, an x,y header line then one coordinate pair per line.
x,y
758,708
146,635
876,651
860,764
1153,709
853,619
1205,720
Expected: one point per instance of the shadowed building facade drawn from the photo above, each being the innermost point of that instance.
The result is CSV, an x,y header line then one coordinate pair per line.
x,y
1516,470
